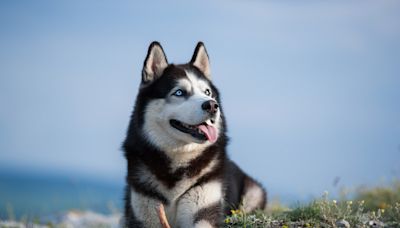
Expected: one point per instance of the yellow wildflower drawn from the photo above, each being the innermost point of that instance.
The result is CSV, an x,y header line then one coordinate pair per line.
x,y
350,202
235,212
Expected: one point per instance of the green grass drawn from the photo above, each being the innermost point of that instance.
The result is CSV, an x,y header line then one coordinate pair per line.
x,y
377,207
373,207
380,197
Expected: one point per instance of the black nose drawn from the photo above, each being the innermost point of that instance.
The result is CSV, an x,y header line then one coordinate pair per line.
x,y
210,106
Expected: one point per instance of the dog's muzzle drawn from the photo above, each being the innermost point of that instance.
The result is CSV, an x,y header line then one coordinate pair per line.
x,y
210,106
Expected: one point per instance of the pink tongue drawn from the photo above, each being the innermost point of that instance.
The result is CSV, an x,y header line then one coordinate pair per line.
x,y
210,132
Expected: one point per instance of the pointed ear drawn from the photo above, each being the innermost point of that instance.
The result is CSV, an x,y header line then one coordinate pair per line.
x,y
155,63
201,61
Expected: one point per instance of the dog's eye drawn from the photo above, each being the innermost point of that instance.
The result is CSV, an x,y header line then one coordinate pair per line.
x,y
207,92
179,93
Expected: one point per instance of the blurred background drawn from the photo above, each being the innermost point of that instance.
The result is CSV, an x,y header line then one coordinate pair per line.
x,y
311,91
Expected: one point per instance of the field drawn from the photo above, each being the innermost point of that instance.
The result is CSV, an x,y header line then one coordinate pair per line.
x,y
377,207
369,207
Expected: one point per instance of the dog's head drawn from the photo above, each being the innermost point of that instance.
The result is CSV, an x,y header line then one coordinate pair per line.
x,y
178,105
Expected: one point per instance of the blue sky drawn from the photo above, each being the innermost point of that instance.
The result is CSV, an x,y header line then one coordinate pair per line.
x,y
311,89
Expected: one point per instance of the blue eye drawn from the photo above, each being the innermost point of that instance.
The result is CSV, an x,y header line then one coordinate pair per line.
x,y
178,93
207,92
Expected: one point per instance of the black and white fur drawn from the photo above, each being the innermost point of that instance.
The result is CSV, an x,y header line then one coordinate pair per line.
x,y
172,159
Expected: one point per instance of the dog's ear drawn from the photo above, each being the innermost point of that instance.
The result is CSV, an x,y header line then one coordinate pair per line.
x,y
154,64
201,61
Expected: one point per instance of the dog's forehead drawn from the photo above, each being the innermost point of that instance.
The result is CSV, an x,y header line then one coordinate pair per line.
x,y
192,81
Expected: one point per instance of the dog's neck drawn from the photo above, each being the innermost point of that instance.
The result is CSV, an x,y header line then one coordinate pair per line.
x,y
182,155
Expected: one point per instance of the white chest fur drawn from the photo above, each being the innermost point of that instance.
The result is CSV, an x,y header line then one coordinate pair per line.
x,y
144,207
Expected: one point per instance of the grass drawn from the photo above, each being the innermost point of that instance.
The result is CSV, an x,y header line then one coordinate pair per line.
x,y
373,207
377,207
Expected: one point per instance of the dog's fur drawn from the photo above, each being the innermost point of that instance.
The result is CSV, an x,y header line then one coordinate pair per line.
x,y
183,167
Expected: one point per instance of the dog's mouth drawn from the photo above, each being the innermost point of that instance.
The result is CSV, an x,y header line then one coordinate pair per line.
x,y
201,131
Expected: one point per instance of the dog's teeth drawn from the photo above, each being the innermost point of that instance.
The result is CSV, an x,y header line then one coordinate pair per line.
x,y
187,126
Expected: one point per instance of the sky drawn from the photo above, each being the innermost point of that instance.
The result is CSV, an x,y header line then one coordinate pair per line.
x,y
310,89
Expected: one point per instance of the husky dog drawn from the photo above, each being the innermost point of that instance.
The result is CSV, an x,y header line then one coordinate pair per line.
x,y
176,149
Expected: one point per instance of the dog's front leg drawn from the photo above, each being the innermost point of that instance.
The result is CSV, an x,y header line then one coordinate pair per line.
x,y
144,209
201,206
